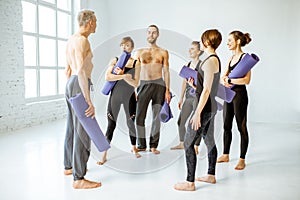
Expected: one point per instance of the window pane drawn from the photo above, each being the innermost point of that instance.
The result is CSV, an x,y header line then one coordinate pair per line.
x,y
47,52
29,50
47,21
64,4
30,83
62,80
63,24
47,82
61,53
29,17
51,1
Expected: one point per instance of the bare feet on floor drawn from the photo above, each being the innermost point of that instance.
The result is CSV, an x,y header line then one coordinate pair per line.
x,y
67,172
208,179
223,158
155,151
85,184
135,151
241,164
185,186
178,147
103,158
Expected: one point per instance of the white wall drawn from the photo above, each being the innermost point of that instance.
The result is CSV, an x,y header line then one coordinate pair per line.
x,y
273,24
14,111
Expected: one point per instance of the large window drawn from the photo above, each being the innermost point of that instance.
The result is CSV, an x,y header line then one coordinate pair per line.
x,y
47,24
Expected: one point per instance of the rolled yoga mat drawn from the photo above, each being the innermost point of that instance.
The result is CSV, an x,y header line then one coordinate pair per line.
x,y
187,73
240,70
244,66
90,125
225,93
165,113
109,85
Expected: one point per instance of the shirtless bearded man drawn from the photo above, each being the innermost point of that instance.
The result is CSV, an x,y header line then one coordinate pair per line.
x,y
154,65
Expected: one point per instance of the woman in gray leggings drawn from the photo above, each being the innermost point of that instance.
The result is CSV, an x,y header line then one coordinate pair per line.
x,y
188,92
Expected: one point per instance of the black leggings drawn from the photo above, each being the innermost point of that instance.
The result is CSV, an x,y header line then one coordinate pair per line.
x,y
129,103
206,131
237,108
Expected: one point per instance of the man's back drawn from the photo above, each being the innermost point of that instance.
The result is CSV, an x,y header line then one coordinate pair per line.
x,y
78,54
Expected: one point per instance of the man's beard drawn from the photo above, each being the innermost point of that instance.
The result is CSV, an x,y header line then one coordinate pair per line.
x,y
151,41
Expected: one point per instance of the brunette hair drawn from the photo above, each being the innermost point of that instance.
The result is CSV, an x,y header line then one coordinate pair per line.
x,y
213,37
127,39
243,37
152,25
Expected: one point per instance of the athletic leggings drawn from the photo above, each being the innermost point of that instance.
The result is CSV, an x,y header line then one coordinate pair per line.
x,y
77,142
152,90
237,108
186,110
117,98
206,131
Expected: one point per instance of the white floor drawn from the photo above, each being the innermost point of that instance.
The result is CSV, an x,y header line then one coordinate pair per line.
x,y
31,166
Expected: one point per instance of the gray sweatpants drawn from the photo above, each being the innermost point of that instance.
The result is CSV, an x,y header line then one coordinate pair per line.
x,y
77,142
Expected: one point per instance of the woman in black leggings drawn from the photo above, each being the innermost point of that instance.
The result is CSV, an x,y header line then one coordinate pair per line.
x,y
238,107
122,93
189,97
202,120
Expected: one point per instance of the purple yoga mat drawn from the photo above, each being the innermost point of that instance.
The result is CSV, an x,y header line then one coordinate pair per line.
x,y
225,93
90,125
109,85
165,113
187,73
244,66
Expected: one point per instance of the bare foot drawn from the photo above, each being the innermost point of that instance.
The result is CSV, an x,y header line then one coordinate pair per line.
x,y
208,179
155,151
185,186
223,158
67,172
178,147
196,149
85,184
103,159
135,151
241,164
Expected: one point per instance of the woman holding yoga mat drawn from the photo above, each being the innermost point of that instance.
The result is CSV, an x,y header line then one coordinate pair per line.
x,y
238,107
122,93
201,123
188,98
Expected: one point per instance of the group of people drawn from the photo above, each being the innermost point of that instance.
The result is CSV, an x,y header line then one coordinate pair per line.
x,y
146,78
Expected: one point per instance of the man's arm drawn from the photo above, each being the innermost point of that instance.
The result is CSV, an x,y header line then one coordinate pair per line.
x,y
68,71
166,73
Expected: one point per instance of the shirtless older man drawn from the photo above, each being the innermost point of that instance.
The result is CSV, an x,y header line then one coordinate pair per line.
x,y
154,64
78,71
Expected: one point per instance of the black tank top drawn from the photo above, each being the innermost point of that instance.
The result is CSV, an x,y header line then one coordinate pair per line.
x,y
236,88
122,86
211,104
189,91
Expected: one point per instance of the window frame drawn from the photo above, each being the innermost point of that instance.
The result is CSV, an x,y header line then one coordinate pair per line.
x,y
57,39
